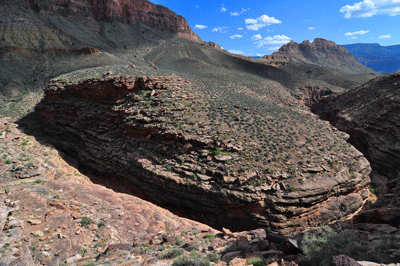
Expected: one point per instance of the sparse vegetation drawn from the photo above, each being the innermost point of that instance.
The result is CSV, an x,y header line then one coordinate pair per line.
x,y
170,254
101,223
83,251
194,259
85,221
256,261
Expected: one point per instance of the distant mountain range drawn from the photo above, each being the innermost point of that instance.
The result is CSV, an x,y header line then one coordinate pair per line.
x,y
382,59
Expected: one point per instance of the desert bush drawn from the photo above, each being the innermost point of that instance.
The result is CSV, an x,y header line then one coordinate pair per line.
x,y
256,261
320,245
85,221
213,257
191,261
172,253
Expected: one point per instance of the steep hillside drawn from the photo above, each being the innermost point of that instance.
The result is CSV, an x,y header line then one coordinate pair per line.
x,y
43,39
370,114
383,59
320,52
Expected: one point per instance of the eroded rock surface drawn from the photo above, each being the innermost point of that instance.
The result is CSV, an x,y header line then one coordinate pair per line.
x,y
369,113
42,216
157,133
122,11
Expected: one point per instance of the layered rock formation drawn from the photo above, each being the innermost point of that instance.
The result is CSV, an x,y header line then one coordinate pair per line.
x,y
44,39
120,11
43,201
370,114
320,52
163,135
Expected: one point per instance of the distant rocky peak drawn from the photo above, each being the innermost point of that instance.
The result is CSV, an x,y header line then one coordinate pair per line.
x,y
320,52
318,45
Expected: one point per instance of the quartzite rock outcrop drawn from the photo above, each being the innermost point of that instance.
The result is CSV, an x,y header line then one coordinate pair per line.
x,y
370,113
319,52
239,169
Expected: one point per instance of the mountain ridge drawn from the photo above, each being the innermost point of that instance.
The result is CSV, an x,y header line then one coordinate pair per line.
x,y
320,52
383,59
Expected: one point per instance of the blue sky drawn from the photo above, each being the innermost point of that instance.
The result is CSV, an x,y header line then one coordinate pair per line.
x,y
261,27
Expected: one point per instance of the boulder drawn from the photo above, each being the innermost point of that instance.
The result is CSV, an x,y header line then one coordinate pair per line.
x,y
343,260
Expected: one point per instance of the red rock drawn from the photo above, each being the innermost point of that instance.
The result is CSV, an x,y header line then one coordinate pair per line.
x,y
227,232
76,215
122,11
237,262
343,260
242,240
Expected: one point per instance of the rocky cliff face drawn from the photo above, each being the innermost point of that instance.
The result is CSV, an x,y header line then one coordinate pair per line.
x,y
370,114
41,40
323,53
306,48
122,11
160,134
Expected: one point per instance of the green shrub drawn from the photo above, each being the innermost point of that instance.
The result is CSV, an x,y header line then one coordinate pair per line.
x,y
83,251
319,246
172,253
178,241
101,223
85,221
210,236
186,261
213,257
256,261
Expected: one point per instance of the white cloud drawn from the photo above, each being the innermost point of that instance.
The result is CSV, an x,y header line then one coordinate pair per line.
x,y
360,32
276,40
353,38
261,22
220,29
236,14
256,37
240,29
275,48
236,36
201,27
223,9
369,8
385,37
259,54
311,28
235,51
